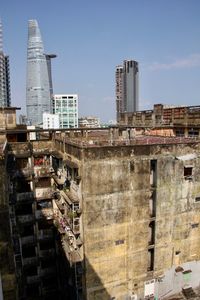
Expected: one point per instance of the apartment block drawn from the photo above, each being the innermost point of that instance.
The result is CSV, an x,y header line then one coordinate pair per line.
x,y
107,213
184,120
66,106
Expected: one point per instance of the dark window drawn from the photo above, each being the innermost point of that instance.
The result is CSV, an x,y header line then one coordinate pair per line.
x,y
180,132
119,242
132,166
188,173
193,132
197,199
195,225
150,266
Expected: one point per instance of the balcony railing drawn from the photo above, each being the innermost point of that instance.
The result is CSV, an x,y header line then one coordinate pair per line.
x,y
60,206
60,180
45,234
76,228
22,172
27,240
22,149
29,261
47,271
46,253
25,218
43,171
44,193
48,290
32,279
24,197
73,255
45,213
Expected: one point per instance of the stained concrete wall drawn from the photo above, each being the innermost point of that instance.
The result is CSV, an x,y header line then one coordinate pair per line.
x,y
6,253
116,190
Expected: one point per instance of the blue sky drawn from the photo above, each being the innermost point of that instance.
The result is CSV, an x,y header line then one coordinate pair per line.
x,y
91,37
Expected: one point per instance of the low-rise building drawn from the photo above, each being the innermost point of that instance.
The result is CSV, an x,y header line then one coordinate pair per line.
x,y
51,121
89,122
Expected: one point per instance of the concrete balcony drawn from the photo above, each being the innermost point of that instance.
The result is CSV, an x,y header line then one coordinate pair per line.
x,y
59,180
25,218
28,240
45,234
70,220
60,206
29,261
73,254
32,279
45,213
47,271
76,226
44,193
25,172
25,197
19,149
61,224
73,193
48,290
43,171
47,253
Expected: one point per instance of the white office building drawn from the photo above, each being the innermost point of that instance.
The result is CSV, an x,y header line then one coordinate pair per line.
x,y
50,121
66,106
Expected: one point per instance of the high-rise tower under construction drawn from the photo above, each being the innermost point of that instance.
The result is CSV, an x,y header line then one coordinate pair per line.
x,y
4,75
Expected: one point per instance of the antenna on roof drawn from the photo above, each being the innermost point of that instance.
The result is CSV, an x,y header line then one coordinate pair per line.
x,y
1,36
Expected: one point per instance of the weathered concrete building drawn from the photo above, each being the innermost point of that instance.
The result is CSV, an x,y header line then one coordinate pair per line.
x,y
103,214
165,120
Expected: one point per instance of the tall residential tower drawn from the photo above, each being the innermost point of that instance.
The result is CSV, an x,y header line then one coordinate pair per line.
x,y
39,83
5,99
127,87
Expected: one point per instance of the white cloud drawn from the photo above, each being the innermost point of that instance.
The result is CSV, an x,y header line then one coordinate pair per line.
x,y
191,61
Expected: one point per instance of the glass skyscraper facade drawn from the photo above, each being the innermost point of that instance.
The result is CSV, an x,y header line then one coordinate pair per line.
x,y
5,100
39,83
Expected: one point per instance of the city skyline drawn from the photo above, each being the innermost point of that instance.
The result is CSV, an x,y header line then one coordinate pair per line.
x,y
95,37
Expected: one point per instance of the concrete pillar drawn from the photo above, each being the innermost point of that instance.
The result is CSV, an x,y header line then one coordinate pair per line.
x,y
71,134
186,132
116,133
28,136
132,133
111,135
